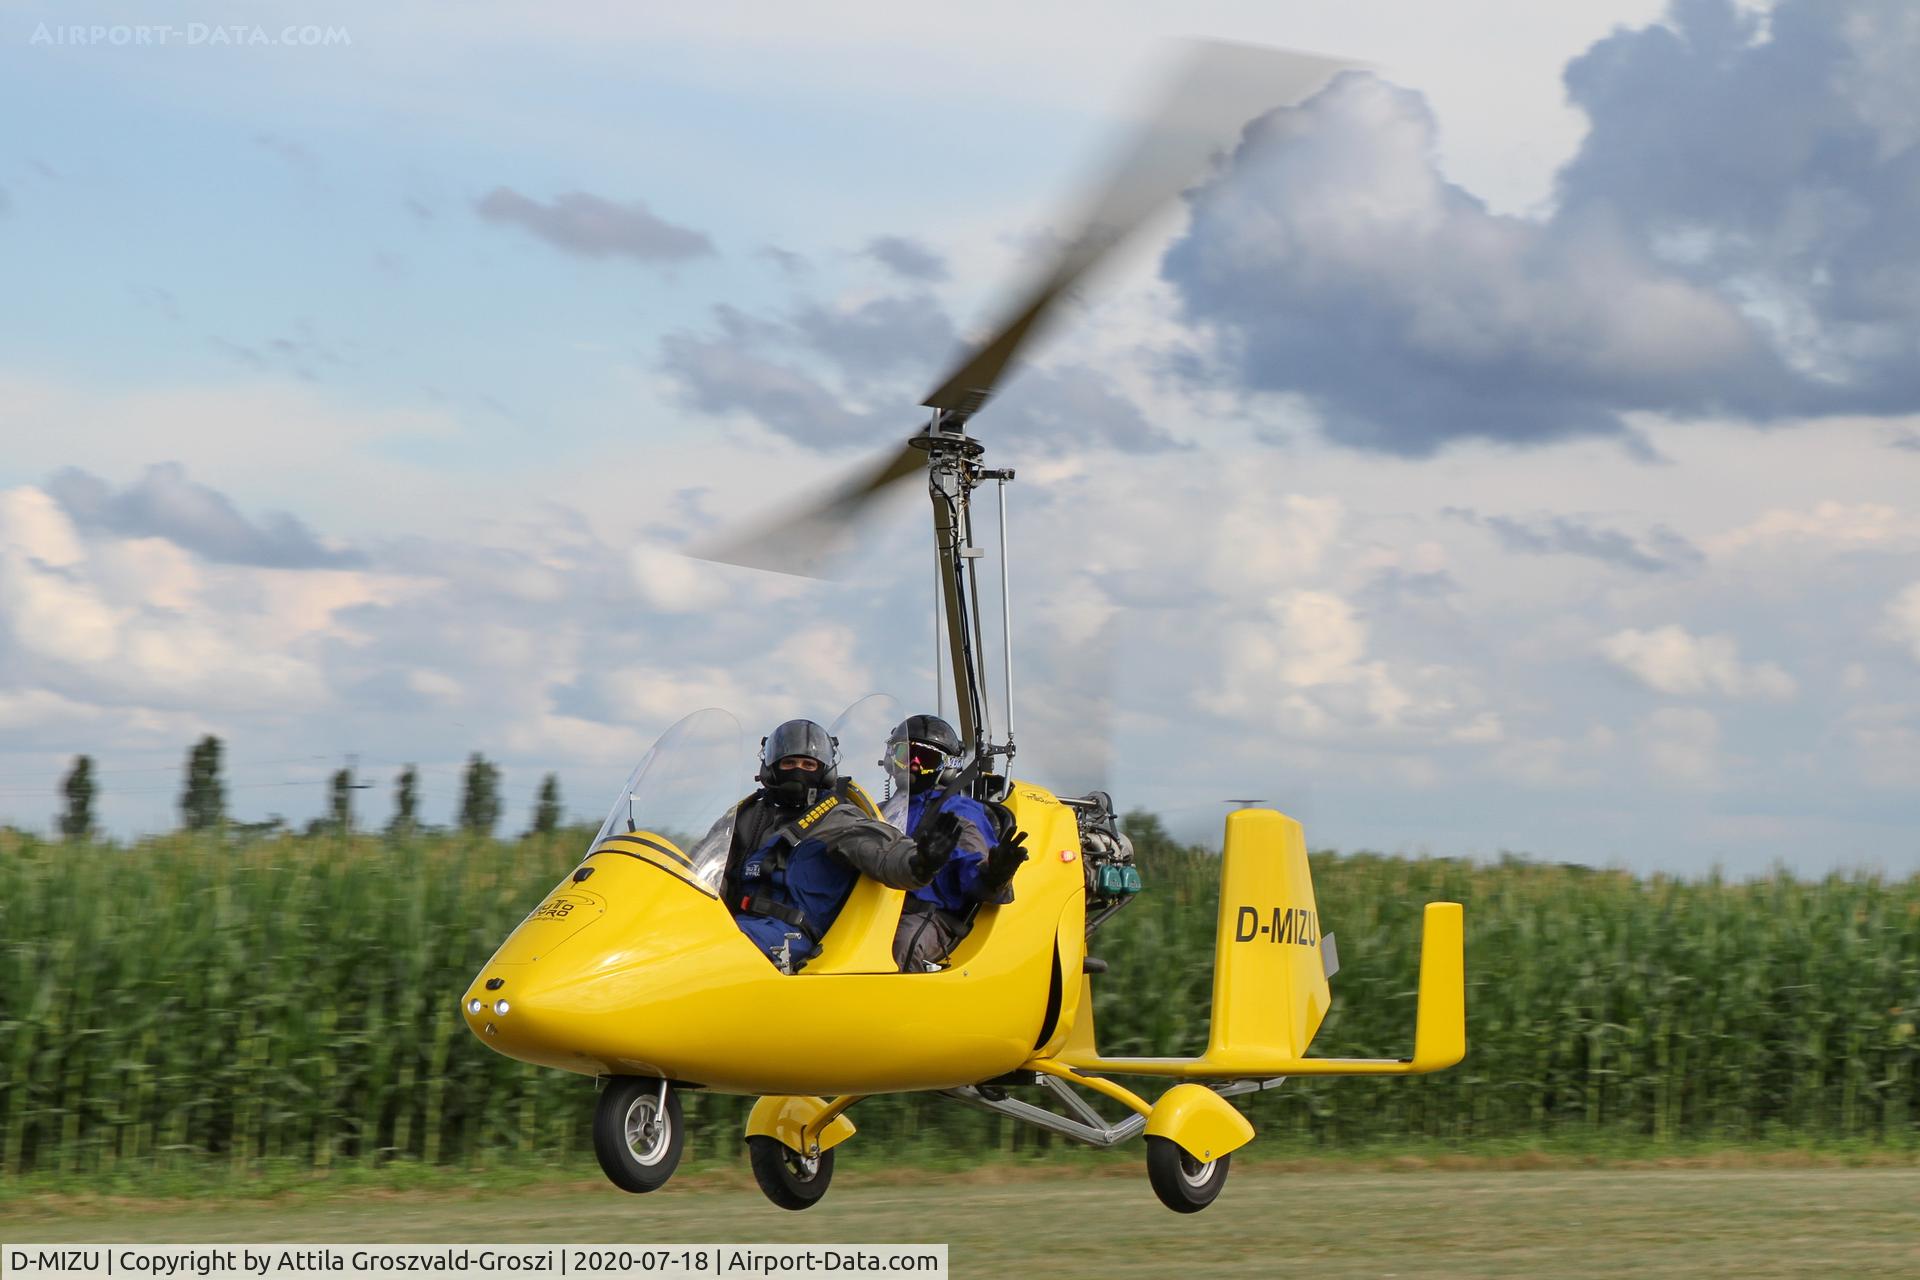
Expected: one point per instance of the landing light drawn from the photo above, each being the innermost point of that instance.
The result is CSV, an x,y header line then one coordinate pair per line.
x,y
474,1005
500,1007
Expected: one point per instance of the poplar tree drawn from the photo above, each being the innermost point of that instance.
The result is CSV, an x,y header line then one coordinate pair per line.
x,y
480,796
546,809
340,801
406,803
77,822
203,800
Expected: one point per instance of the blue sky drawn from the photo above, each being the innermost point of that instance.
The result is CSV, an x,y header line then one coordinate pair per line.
x,y
1512,449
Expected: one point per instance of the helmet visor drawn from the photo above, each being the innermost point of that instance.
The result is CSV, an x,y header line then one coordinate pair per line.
x,y
917,757
801,738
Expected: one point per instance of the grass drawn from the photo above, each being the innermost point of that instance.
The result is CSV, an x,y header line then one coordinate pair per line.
x,y
1102,1220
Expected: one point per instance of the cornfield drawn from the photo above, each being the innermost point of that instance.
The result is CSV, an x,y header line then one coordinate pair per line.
x,y
190,1000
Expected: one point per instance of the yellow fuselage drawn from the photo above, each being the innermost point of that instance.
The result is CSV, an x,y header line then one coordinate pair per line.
x,y
638,969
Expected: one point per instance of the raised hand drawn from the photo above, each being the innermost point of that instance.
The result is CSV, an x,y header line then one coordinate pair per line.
x,y
1003,860
934,843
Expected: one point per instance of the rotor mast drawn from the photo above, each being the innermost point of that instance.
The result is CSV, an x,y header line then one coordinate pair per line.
x,y
953,472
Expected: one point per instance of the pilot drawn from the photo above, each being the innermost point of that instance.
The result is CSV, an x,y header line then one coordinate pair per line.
x,y
800,843
939,914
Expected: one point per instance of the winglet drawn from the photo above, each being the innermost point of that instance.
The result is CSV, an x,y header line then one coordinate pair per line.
x,y
1440,1026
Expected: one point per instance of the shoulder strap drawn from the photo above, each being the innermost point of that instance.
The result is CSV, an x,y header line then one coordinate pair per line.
x,y
794,832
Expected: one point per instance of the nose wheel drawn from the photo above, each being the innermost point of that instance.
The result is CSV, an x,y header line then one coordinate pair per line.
x,y
637,1132
789,1179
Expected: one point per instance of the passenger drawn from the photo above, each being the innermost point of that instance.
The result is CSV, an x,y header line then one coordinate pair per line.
x,y
800,844
938,915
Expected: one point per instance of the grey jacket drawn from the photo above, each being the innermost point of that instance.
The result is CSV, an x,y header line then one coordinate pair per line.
x,y
870,847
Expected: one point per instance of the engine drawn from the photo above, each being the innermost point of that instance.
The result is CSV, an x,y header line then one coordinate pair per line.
x,y
1107,855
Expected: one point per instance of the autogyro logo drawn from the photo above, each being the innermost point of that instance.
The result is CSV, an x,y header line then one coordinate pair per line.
x,y
189,35
1295,925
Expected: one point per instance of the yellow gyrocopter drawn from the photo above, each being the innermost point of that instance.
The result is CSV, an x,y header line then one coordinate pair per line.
x,y
632,970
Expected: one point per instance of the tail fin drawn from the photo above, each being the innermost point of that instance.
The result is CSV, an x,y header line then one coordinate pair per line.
x,y
1269,969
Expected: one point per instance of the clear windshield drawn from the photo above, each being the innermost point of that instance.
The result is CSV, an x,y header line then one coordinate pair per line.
x,y
685,788
862,731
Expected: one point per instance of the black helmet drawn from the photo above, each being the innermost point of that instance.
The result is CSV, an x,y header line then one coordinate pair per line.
x,y
794,788
918,749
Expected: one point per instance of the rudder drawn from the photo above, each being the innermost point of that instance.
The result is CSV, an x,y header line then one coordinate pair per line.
x,y
1269,973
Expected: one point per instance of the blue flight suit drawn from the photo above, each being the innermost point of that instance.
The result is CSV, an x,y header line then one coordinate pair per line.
x,y
793,870
956,886
936,917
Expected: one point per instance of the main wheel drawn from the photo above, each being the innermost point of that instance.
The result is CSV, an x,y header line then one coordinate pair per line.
x,y
1184,1185
636,1137
790,1180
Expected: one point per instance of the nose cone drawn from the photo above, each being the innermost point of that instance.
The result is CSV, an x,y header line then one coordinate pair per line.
x,y
608,975
516,1010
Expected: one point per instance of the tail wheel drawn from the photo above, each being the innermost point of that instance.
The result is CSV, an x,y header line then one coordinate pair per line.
x,y
637,1132
1184,1185
789,1179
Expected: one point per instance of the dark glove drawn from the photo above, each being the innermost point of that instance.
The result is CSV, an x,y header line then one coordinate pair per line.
x,y
934,843
1002,861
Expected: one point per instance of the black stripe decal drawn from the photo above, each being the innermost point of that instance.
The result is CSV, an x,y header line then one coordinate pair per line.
x,y
657,847
657,866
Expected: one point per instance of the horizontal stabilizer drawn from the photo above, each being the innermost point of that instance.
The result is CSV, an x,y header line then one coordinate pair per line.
x,y
1267,1002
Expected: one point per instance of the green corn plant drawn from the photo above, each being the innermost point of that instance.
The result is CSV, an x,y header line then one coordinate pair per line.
x,y
194,999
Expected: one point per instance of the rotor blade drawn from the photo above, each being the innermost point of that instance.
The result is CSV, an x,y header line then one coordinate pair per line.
x,y
1219,88
803,541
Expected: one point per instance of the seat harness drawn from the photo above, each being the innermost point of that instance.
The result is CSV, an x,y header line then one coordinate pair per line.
x,y
770,861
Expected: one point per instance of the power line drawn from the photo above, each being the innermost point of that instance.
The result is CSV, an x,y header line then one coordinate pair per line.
x,y
158,768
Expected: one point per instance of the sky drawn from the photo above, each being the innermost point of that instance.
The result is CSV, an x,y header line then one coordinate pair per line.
x,y
1512,448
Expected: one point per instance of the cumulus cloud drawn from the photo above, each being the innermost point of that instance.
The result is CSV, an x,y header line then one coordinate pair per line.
x,y
891,334
789,262
1338,265
907,258
1266,540
33,524
1903,619
1555,761
1673,661
720,375
1770,157
656,695
590,226
1739,232
74,621
1682,745
1836,524
1660,550
1302,668
1886,744
671,582
164,503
